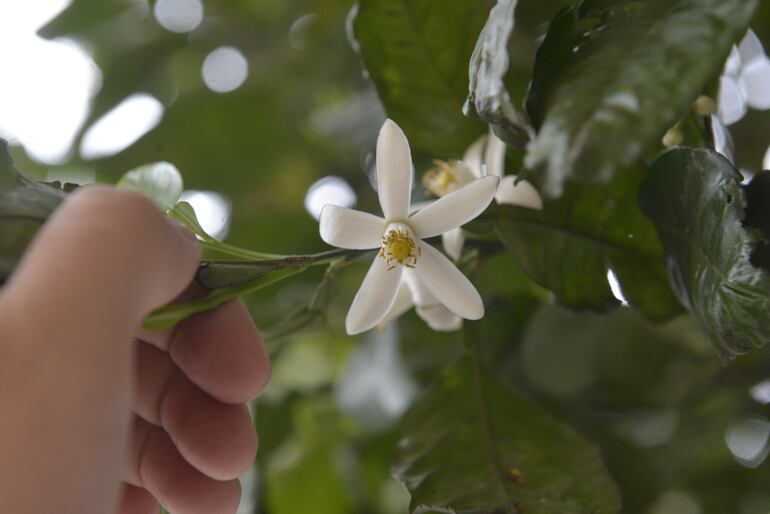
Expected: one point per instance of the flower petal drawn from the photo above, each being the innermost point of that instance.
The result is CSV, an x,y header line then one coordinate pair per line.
x,y
521,193
375,297
447,284
394,172
351,229
402,303
418,206
453,242
472,156
455,209
439,318
494,156
421,296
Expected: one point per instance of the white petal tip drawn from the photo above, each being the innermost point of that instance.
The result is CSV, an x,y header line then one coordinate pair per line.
x,y
521,194
474,310
390,127
354,327
324,224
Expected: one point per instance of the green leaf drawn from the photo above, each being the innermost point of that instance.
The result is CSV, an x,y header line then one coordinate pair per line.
x,y
569,246
471,446
695,199
489,99
170,315
307,466
185,213
417,53
605,89
160,181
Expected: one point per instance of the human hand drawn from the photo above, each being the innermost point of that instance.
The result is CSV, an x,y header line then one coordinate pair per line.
x,y
97,416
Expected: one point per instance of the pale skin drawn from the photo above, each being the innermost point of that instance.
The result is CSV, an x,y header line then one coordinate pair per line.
x,y
98,416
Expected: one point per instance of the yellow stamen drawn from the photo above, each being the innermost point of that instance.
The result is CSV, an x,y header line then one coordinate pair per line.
x,y
441,179
398,247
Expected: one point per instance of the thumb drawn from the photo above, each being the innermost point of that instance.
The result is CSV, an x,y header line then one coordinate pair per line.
x,y
67,315
106,257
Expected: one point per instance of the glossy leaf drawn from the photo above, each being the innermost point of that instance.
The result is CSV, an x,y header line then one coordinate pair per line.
x,y
569,246
417,54
160,181
695,199
471,446
607,88
489,98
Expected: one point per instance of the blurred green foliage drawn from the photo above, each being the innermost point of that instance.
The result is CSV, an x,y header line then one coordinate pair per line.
x,y
653,399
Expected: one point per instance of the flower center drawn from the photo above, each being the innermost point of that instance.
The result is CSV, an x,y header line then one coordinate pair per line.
x,y
441,179
398,247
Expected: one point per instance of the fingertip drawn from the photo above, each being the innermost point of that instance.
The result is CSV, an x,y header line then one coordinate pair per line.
x,y
113,249
222,352
218,439
179,486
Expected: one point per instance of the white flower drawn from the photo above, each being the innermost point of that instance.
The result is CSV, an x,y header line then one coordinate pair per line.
x,y
485,156
745,80
400,237
412,293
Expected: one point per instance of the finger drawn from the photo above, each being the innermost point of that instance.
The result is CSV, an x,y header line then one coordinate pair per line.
x,y
154,464
216,438
109,250
67,315
220,351
135,500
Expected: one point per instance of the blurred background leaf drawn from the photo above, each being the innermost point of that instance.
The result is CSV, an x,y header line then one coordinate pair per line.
x,y
678,433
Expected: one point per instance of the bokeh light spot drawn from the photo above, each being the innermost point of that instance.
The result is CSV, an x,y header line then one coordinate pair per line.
x,y
225,69
179,15
676,502
298,31
121,127
766,160
747,440
329,190
614,283
760,392
212,209
46,86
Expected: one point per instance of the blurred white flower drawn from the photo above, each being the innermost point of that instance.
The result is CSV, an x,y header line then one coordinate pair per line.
x,y
485,156
745,80
412,293
400,237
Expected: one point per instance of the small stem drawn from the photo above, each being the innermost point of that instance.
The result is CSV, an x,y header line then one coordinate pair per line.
x,y
234,251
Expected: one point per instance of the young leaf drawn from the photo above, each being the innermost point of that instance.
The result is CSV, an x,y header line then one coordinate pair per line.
x,y
471,446
695,199
417,54
569,246
600,97
159,181
489,98
185,213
